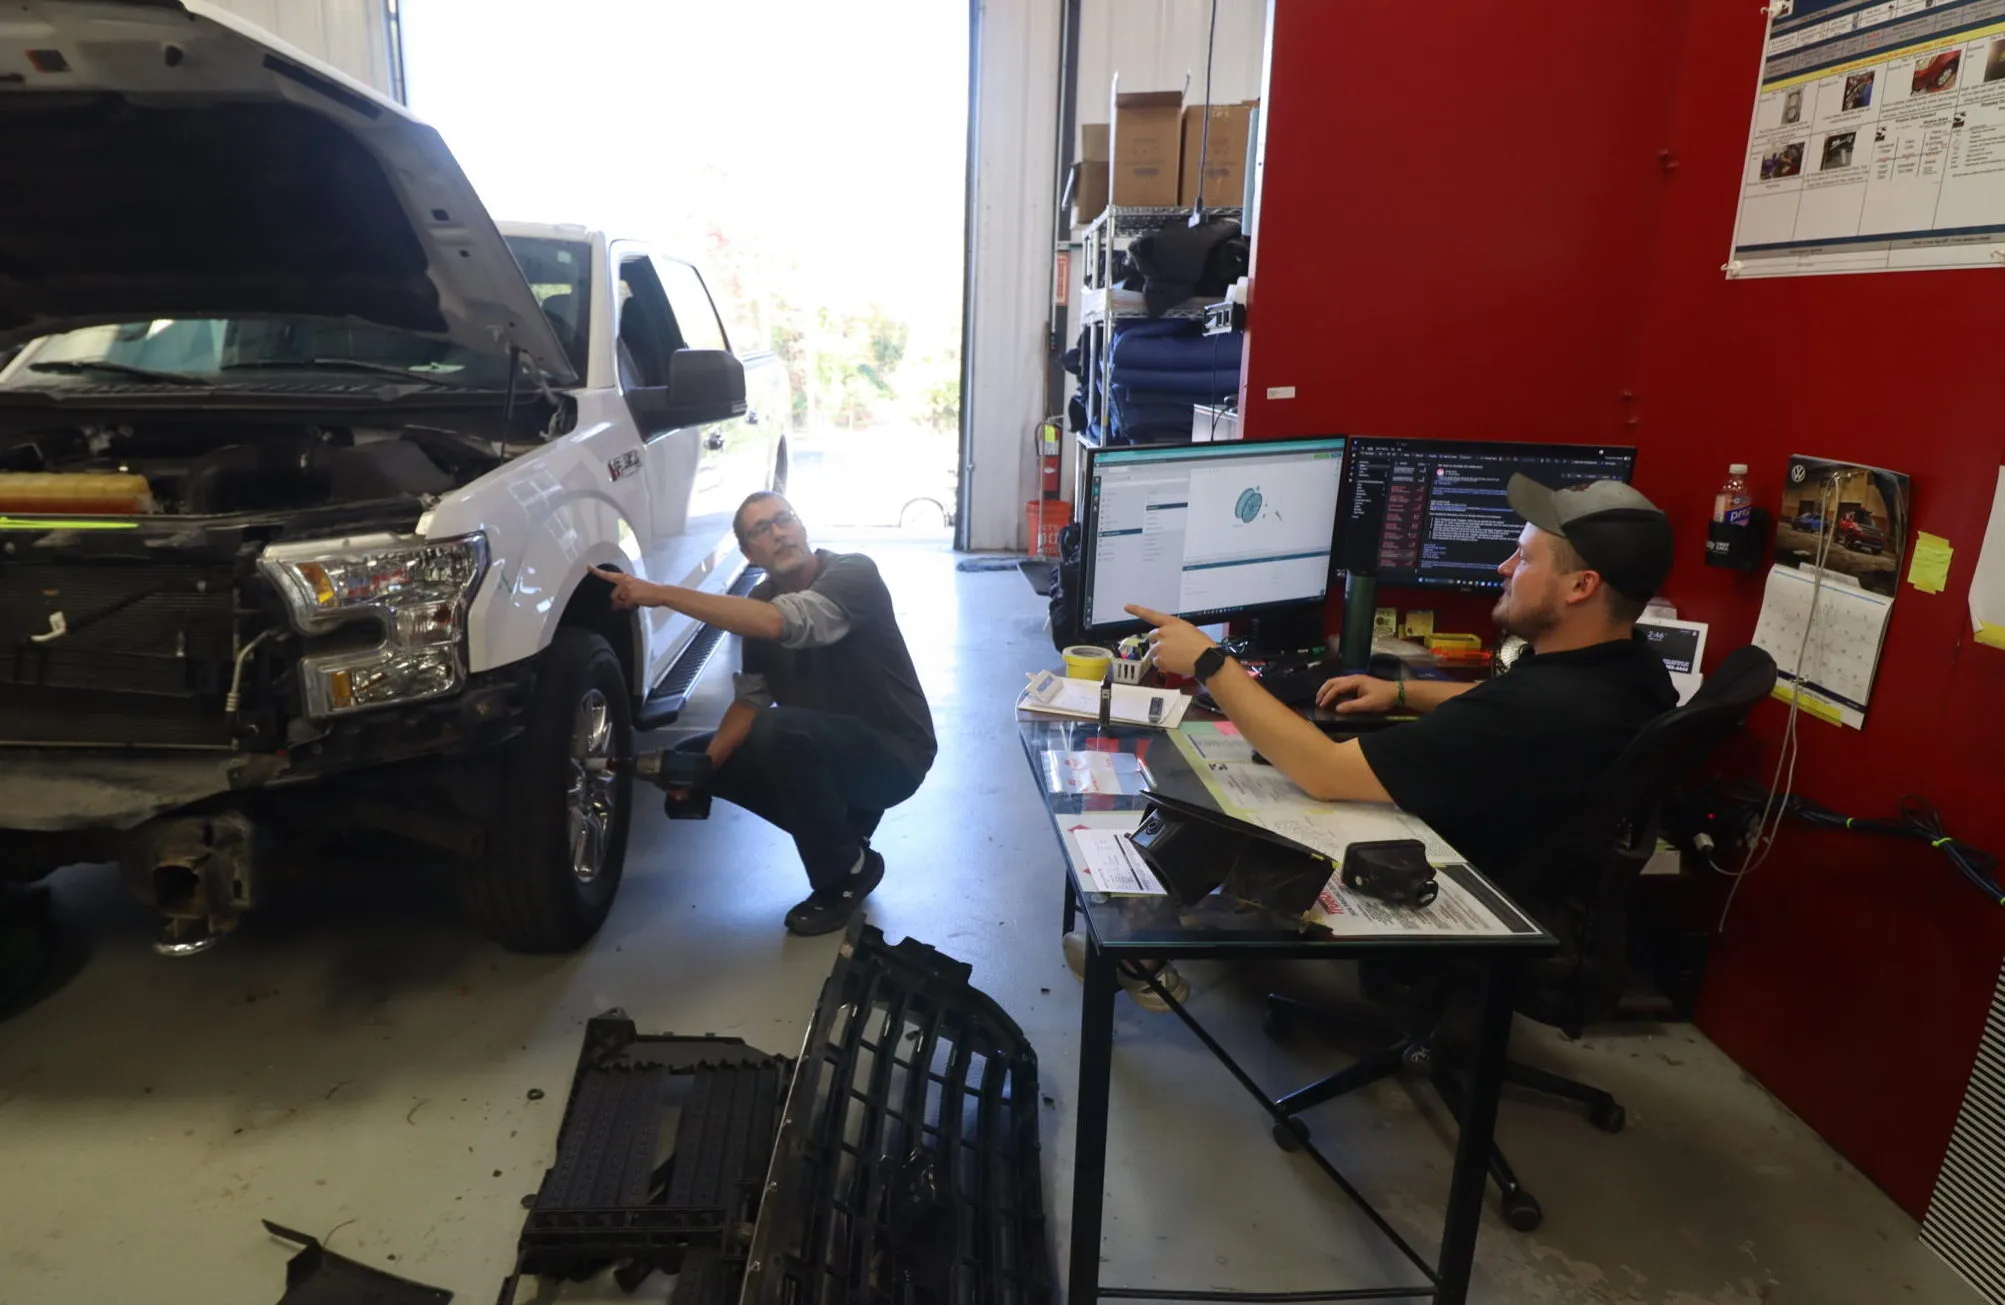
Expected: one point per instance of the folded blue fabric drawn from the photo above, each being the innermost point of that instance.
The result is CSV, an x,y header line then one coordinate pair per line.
x,y
1188,351
1153,414
1189,385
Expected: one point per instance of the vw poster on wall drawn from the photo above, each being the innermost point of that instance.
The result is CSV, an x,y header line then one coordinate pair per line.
x,y
1878,140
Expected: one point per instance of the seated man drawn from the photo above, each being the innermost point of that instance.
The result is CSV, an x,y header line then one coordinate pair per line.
x,y
830,726
1493,765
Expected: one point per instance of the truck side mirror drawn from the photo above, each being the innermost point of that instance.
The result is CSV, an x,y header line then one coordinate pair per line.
x,y
704,386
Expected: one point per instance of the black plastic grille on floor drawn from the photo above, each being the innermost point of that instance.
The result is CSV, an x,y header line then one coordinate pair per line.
x,y
607,1200
906,1170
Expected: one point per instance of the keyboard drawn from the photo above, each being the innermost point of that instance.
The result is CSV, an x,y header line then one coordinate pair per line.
x,y
1297,685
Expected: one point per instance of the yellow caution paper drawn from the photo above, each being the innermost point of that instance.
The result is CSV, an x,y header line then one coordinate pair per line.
x,y
1992,636
1929,569
1810,701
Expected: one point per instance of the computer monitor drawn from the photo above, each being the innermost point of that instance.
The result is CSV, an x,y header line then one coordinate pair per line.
x,y
1433,513
1209,531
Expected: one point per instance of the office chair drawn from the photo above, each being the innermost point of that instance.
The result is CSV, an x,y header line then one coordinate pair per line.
x,y
1587,874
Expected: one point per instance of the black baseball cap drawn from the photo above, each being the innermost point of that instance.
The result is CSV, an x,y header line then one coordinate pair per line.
x,y
1619,534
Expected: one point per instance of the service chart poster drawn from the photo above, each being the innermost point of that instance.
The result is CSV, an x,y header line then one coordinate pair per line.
x,y
1878,139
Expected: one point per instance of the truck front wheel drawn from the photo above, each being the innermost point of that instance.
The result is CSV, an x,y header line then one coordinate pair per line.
x,y
559,841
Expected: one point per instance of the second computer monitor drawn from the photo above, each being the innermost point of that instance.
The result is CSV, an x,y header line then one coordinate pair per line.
x,y
1209,531
1433,513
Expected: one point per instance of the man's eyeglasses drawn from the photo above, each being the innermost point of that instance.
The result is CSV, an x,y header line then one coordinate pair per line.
x,y
760,529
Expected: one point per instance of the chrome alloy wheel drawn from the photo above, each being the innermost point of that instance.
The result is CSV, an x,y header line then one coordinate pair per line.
x,y
590,802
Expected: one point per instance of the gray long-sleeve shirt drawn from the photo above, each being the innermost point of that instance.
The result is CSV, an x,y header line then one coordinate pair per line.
x,y
840,650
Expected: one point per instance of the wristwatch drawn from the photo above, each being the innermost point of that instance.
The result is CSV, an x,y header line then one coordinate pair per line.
x,y
1209,663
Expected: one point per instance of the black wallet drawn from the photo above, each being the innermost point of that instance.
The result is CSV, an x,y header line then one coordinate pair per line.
x,y
1395,870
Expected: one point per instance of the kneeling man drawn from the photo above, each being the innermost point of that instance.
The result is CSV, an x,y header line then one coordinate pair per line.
x,y
830,726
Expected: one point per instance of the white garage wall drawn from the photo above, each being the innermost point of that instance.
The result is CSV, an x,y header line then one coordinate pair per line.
x,y
1152,44
1014,134
352,35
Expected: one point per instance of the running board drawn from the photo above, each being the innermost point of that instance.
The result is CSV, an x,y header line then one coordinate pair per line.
x,y
665,703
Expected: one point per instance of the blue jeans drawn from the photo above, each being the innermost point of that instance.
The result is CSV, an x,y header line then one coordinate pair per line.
x,y
824,778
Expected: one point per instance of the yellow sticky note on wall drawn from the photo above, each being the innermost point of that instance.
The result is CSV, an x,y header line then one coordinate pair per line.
x,y
1991,635
1929,569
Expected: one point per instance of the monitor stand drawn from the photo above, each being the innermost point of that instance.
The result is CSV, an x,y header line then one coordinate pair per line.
x,y
1360,608
1280,634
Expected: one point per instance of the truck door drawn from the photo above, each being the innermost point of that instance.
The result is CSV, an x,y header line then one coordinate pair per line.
x,y
678,544
735,453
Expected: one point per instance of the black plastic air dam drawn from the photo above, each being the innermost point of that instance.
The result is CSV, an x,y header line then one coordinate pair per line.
x,y
895,1162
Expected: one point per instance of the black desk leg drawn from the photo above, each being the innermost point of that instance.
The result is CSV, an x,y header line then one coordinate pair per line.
x,y
1477,1134
1071,906
1089,1145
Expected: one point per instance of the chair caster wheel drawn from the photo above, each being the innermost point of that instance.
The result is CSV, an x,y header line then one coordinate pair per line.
x,y
1610,1118
1277,1024
1290,1135
1522,1212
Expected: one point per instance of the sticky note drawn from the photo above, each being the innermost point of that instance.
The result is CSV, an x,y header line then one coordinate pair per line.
x,y
1929,569
1990,635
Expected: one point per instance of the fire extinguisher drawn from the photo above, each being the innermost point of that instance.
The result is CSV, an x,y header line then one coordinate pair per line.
x,y
1048,455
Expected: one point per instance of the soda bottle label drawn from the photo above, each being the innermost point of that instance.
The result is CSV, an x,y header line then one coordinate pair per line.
x,y
1739,513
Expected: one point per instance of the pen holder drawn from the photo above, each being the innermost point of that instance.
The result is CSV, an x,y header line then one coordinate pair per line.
x,y
1134,670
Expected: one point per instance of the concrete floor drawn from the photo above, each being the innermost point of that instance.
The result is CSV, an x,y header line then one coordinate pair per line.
x,y
359,1070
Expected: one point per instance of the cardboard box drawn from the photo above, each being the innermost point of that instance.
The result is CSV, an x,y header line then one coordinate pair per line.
x,y
1093,142
1225,157
1089,190
1148,147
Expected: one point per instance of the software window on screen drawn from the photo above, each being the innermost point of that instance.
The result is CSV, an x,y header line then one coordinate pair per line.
x,y
1212,528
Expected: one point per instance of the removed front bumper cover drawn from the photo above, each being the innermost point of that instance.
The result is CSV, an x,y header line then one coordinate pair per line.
x,y
897,1159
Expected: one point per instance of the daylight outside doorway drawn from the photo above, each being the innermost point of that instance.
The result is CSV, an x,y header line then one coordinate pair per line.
x,y
810,157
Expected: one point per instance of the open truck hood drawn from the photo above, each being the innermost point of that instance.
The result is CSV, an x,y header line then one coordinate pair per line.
x,y
168,159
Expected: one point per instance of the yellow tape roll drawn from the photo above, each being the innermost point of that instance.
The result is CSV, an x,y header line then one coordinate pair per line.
x,y
1087,663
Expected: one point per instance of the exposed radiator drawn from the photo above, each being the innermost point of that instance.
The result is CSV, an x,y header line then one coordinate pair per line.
x,y
1965,1223
115,653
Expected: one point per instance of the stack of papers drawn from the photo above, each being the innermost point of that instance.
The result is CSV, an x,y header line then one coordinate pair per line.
x,y
1112,865
1262,795
1057,695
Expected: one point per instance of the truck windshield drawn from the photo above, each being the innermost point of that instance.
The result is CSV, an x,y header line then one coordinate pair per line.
x,y
560,276
227,349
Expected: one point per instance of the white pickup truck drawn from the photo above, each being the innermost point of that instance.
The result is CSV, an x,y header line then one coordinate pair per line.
x,y
303,466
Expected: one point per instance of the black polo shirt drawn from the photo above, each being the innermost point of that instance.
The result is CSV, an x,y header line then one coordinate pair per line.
x,y
1494,769
867,673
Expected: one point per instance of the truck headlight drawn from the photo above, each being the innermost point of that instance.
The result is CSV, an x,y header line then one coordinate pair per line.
x,y
415,590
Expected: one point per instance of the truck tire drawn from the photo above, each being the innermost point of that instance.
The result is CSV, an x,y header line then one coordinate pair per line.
x,y
558,843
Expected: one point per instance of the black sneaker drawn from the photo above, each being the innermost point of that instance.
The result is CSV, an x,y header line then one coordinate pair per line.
x,y
829,909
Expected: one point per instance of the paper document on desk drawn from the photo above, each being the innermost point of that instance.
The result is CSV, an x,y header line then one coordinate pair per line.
x,y
1204,741
1464,909
1330,827
1223,759
1049,694
1110,862
1263,796
1093,773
